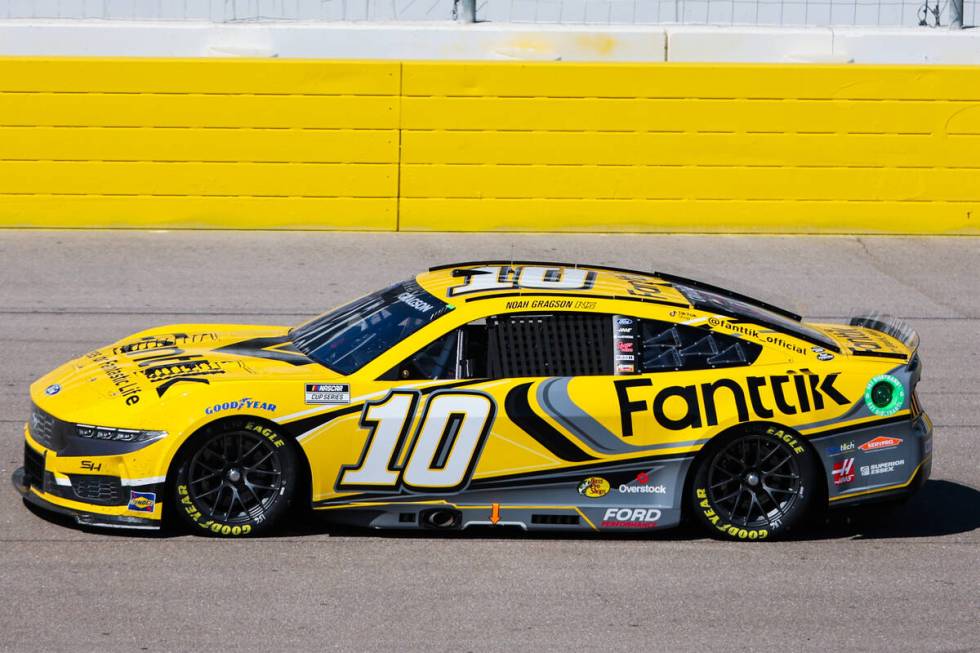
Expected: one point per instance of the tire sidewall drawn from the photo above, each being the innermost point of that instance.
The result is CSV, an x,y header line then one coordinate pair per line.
x,y
705,513
190,514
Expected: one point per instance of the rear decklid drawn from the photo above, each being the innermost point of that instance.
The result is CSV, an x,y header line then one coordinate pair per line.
x,y
875,334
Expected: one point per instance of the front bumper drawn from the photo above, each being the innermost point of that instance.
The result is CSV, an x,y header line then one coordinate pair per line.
x,y
81,517
93,490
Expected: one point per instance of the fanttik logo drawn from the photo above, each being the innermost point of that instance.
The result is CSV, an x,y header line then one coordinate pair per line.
x,y
630,518
880,443
594,487
142,501
843,471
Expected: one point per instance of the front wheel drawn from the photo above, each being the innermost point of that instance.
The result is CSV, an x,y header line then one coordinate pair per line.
x,y
234,480
754,486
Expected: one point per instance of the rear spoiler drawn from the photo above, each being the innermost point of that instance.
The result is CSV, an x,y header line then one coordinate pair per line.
x,y
891,326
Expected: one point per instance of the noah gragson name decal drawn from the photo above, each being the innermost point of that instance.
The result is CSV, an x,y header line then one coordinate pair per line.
x,y
791,394
416,303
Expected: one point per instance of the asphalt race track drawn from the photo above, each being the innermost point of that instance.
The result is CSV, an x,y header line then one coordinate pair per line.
x,y
908,580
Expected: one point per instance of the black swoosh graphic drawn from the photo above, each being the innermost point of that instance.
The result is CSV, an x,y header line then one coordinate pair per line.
x,y
519,411
304,424
259,348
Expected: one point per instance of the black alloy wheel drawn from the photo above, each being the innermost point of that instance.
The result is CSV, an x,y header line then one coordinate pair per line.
x,y
754,486
236,481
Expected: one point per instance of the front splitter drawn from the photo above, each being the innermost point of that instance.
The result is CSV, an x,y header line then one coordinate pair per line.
x,y
82,518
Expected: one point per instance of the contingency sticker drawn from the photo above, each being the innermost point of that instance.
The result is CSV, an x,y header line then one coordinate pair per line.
x,y
327,393
142,501
625,340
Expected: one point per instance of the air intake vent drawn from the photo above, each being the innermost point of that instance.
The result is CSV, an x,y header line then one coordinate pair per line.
x,y
104,490
33,467
555,520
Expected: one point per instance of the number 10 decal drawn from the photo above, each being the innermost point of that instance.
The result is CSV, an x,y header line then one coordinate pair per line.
x,y
442,453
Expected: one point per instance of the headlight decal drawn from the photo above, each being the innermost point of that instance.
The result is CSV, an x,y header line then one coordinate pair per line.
x,y
117,434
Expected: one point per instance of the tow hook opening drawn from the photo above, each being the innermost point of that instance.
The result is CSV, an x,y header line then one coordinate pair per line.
x,y
441,518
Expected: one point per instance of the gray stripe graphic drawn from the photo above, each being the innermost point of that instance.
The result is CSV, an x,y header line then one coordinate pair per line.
x,y
553,397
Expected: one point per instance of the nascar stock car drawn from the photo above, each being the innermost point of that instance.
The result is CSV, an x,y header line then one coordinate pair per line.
x,y
539,395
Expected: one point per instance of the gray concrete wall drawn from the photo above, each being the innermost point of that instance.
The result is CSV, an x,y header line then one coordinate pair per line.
x,y
905,13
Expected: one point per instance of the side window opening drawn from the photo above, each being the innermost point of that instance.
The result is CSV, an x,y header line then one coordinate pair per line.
x,y
733,355
549,344
514,346
667,346
473,361
437,360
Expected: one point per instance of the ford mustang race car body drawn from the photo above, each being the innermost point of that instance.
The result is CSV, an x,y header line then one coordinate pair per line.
x,y
539,395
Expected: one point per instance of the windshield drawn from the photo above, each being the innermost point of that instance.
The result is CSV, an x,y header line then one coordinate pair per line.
x,y
706,300
353,335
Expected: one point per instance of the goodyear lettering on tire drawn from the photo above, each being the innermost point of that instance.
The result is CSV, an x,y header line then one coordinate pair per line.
x,y
208,524
729,529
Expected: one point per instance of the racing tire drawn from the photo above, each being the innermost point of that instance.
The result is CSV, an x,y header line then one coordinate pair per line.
x,y
756,485
235,479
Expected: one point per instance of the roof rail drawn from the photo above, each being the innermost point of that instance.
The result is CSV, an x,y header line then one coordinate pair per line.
x,y
607,268
673,278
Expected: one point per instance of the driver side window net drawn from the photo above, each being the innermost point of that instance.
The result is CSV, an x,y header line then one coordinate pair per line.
x,y
667,347
548,344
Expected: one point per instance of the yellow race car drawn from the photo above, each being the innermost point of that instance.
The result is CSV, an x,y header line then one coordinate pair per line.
x,y
531,394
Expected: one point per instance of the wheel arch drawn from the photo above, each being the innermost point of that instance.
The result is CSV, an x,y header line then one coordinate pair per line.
x,y
742,429
305,471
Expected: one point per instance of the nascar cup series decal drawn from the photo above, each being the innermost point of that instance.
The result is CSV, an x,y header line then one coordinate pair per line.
x,y
327,393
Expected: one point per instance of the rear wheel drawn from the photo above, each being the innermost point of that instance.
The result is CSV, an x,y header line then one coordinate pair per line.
x,y
756,485
235,480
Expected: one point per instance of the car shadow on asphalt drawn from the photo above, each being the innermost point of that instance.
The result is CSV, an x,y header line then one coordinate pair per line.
x,y
940,508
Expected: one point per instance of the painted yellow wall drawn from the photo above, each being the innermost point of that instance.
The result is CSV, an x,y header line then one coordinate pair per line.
x,y
231,143
198,143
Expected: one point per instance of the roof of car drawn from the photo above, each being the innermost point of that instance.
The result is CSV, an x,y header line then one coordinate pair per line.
x,y
607,282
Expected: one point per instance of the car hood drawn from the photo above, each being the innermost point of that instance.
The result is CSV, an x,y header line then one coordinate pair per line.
x,y
152,365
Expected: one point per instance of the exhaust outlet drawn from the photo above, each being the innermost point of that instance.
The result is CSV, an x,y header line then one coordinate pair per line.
x,y
441,518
